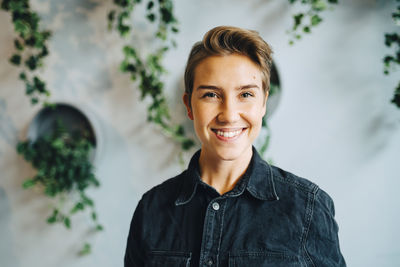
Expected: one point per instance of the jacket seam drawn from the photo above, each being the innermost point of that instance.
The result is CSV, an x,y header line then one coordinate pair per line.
x,y
309,215
304,188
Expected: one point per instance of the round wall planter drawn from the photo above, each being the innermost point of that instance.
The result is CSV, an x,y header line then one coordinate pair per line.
x,y
73,118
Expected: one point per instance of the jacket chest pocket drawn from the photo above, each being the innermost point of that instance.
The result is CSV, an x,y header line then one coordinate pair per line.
x,y
263,259
168,258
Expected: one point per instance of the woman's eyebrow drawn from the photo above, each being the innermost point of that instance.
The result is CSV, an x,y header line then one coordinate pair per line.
x,y
213,87
248,86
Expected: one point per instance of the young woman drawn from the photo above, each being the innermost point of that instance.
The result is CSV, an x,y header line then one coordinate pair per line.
x,y
231,208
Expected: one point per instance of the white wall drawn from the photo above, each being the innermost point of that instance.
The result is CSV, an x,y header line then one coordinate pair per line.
x,y
334,124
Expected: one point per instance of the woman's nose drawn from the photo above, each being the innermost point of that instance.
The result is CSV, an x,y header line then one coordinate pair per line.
x,y
229,112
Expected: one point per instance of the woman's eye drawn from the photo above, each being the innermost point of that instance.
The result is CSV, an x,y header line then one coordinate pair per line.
x,y
247,94
210,95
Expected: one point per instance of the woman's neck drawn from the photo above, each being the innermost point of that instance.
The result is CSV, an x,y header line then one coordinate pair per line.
x,y
223,174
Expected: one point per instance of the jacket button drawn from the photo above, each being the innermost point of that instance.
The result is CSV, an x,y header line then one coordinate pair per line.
x,y
215,206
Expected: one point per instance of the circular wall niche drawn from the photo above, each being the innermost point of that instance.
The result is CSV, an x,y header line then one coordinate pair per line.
x,y
45,121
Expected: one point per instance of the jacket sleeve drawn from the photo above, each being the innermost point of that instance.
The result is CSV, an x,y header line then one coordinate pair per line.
x,y
322,243
135,252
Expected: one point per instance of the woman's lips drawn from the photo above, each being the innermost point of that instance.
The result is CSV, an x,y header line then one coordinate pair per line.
x,y
228,134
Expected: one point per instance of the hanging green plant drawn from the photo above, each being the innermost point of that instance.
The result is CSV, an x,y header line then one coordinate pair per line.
x,y
391,62
61,158
30,48
149,70
64,171
304,22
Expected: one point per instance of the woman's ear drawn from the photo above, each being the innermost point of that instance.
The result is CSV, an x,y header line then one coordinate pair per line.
x,y
265,102
187,104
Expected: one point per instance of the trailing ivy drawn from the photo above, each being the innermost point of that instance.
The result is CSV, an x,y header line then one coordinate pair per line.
x,y
392,40
61,158
304,22
30,47
149,70
63,169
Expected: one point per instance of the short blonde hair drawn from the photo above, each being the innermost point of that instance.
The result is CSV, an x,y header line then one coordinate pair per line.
x,y
227,40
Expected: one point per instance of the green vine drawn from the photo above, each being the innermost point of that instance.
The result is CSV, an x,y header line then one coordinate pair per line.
x,y
304,22
148,71
392,40
30,47
64,172
313,19
61,158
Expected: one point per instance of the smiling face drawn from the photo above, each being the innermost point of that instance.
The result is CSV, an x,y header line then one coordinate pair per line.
x,y
227,106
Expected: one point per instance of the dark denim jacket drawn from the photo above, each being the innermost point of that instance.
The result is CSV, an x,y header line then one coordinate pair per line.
x,y
270,218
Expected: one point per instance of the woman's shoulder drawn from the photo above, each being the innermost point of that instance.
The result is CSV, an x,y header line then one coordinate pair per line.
x,y
287,181
165,191
285,178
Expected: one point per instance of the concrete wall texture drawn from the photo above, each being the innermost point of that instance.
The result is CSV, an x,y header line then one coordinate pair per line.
x,y
334,124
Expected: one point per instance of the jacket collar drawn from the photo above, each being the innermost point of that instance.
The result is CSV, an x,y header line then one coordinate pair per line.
x,y
257,180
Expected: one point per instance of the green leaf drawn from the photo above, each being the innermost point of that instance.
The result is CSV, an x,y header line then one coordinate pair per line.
x,y
129,51
32,62
28,183
123,30
111,16
15,59
99,227
22,76
150,5
396,97
180,130
67,222
151,17
18,45
315,20
39,85
22,28
86,200
388,59
85,250
187,144
297,20
53,217
44,52
78,206
319,5
34,100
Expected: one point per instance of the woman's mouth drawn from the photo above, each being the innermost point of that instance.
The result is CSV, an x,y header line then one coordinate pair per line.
x,y
228,134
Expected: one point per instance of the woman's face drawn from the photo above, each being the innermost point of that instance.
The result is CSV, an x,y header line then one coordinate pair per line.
x,y
227,105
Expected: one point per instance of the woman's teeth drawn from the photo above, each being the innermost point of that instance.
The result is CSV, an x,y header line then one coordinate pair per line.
x,y
229,134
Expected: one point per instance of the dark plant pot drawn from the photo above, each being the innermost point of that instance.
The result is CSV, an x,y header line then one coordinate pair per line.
x,y
73,119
